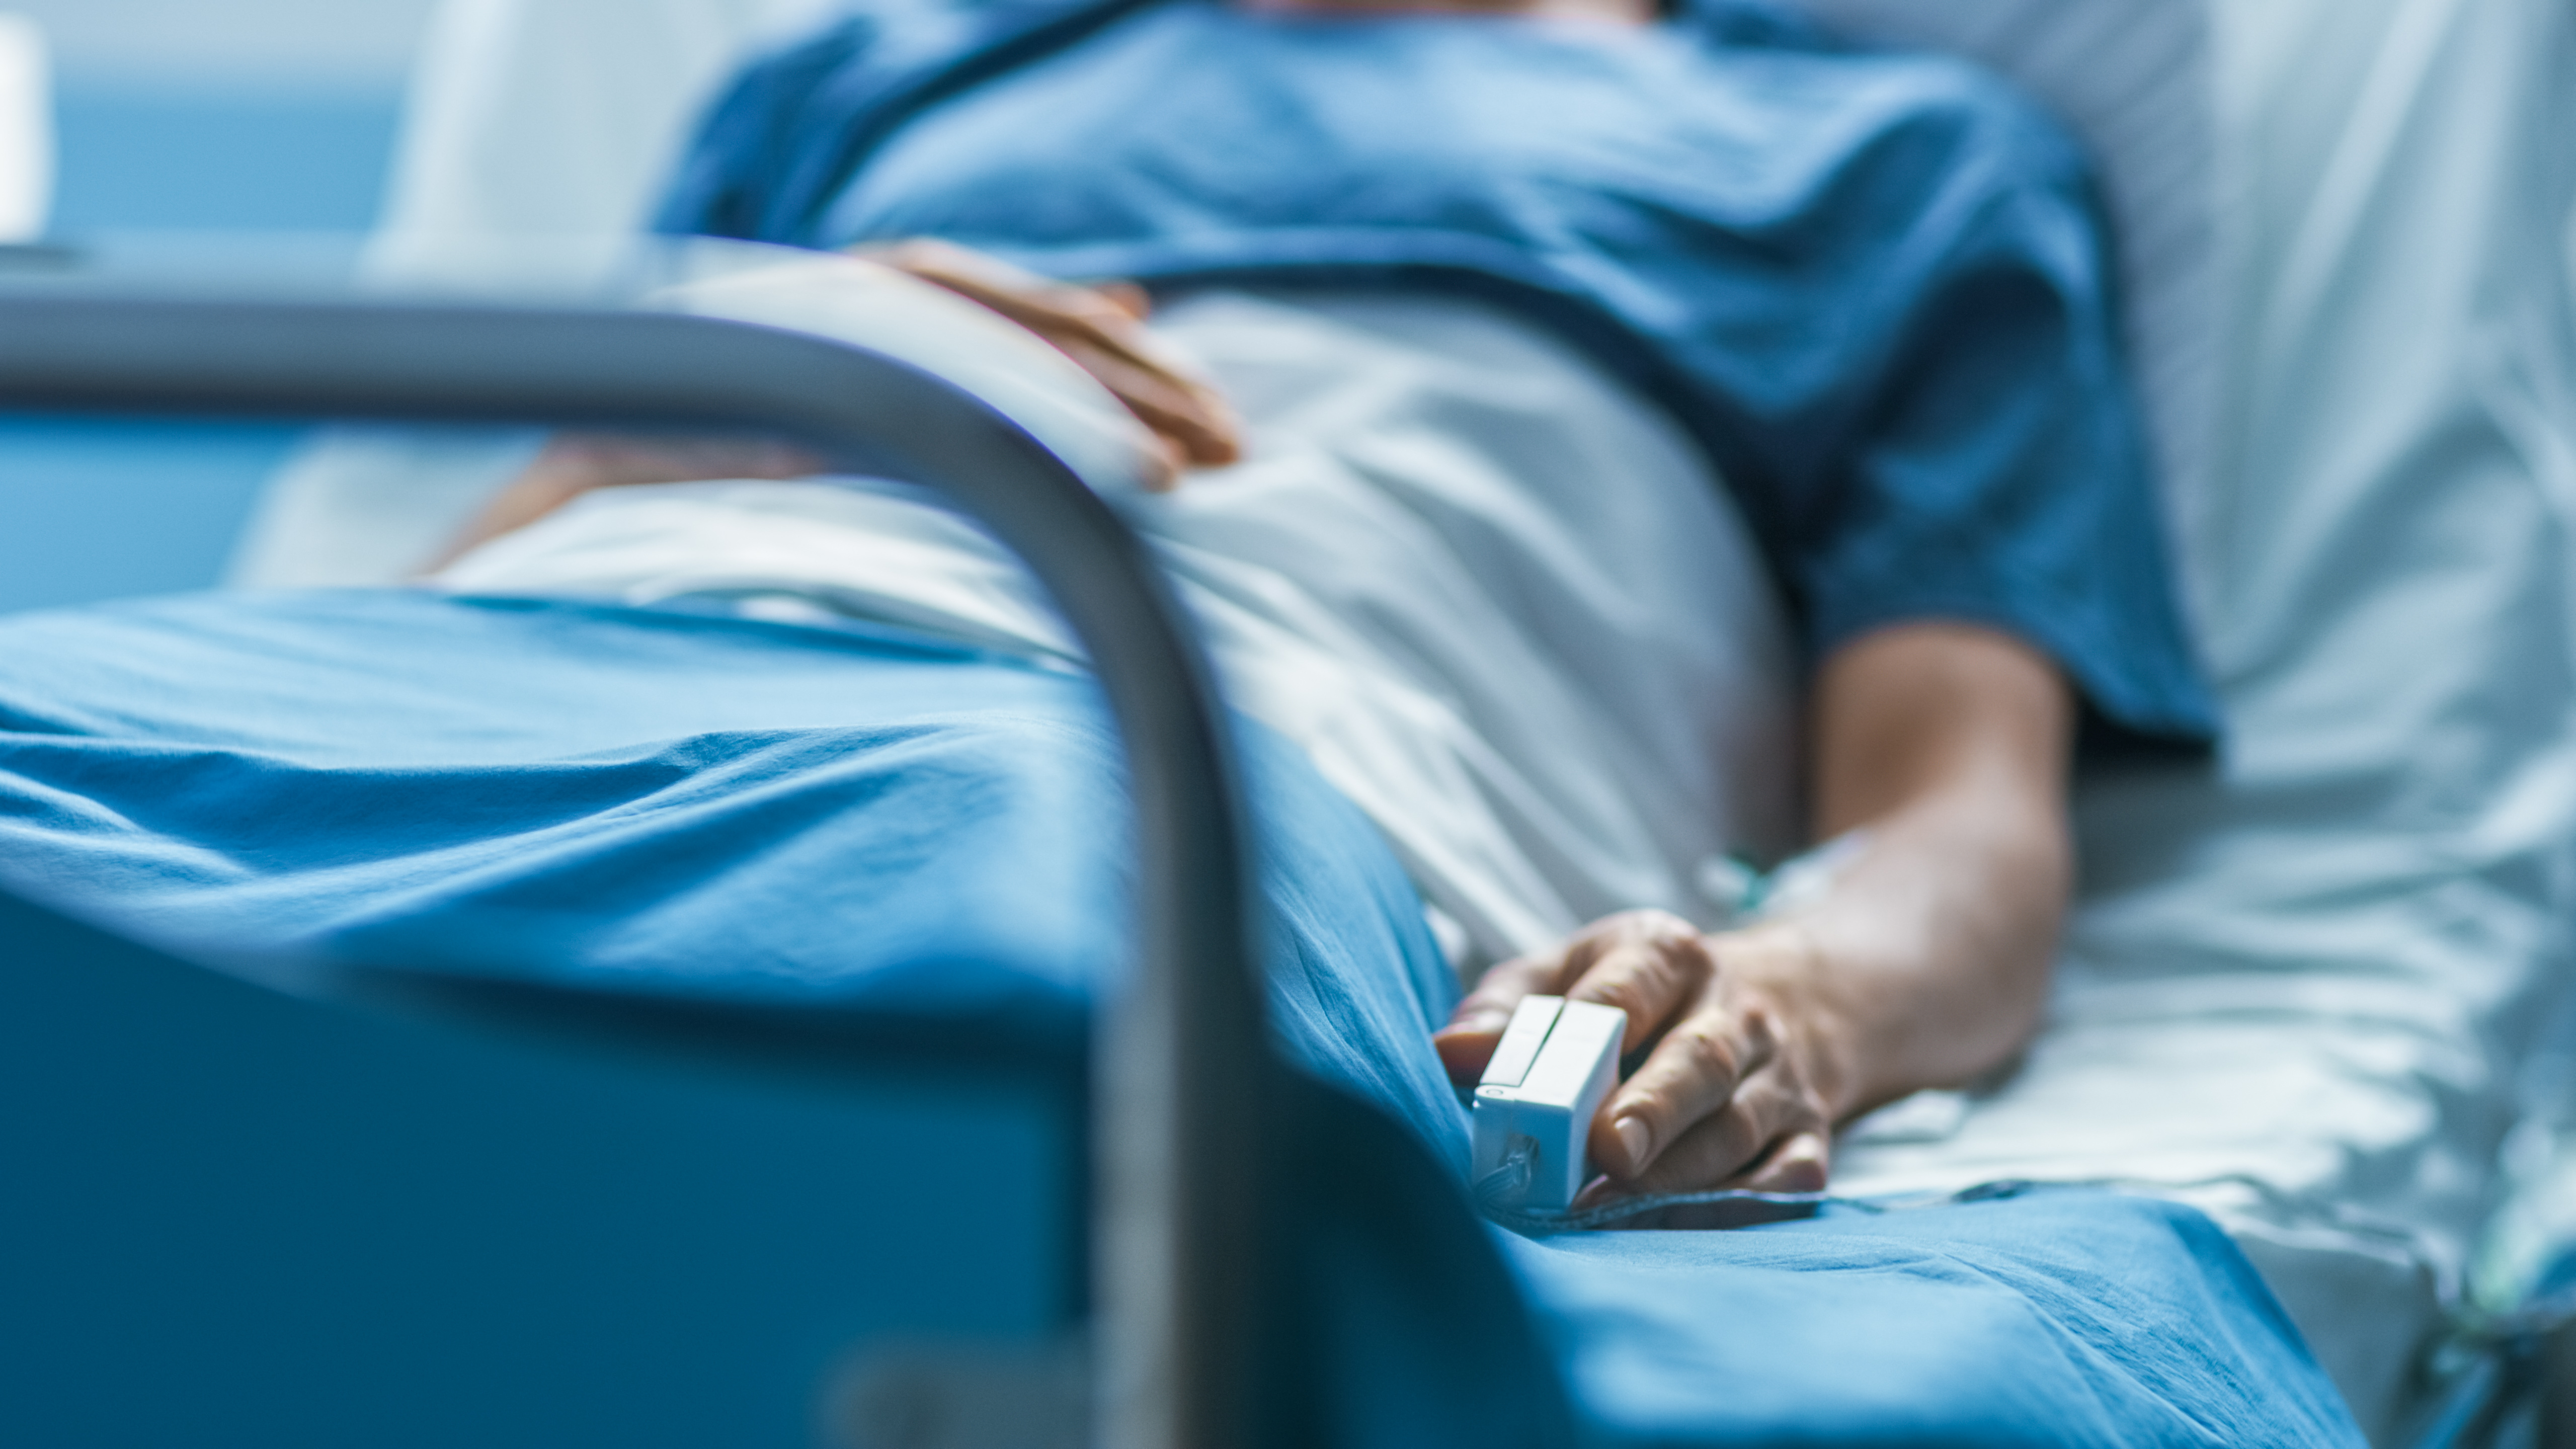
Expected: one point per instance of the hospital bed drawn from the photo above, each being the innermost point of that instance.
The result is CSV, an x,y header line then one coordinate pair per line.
x,y
1275,1260
1181,1089
2347,913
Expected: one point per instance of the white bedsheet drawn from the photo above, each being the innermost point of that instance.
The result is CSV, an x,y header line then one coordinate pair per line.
x,y
1498,598
2308,983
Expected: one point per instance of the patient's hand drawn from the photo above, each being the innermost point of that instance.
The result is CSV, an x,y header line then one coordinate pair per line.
x,y
1736,1089
1101,328
1923,963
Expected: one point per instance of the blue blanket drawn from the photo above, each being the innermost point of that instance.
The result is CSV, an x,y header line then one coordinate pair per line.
x,y
676,803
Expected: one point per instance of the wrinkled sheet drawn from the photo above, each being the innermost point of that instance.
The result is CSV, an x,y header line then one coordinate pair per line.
x,y
669,802
2301,988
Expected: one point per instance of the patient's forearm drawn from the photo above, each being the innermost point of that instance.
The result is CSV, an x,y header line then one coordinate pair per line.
x,y
1931,950
1925,962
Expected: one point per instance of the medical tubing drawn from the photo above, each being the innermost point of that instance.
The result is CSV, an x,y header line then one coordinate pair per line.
x,y
2536,1319
1510,1182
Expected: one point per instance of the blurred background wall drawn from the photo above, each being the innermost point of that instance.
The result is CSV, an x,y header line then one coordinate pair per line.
x,y
346,42
224,113
188,114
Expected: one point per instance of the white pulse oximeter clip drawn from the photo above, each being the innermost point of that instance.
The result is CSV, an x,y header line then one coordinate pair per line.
x,y
1556,1062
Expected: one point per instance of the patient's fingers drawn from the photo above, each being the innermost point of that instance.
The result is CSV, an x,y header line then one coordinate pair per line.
x,y
1708,1153
1107,341
1467,1043
1803,1162
1751,1142
1690,1078
1174,405
1797,1163
1647,964
1099,328
1129,298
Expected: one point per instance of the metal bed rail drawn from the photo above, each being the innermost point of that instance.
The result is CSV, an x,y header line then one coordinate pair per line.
x,y
1180,1058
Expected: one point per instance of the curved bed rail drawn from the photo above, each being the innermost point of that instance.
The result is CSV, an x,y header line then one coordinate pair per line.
x,y
1181,1056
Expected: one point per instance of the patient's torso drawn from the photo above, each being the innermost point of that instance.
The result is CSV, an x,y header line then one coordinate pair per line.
x,y
1497,598
1870,286
1216,121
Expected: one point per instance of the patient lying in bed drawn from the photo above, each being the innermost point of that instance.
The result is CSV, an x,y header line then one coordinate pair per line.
x,y
1727,452
1493,582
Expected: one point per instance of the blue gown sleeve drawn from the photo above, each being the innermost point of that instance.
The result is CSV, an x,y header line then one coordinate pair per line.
x,y
1913,372
2001,478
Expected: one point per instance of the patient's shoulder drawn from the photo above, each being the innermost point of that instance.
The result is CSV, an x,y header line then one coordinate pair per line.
x,y
750,170
1941,111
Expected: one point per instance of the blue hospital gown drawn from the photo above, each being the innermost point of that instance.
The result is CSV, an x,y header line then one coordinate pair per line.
x,y
1874,288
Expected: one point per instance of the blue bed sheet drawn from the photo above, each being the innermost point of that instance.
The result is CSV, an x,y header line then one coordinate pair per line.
x,y
661,801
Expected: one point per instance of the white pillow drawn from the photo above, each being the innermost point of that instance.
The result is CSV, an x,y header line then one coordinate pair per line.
x,y
545,118
2134,80
565,116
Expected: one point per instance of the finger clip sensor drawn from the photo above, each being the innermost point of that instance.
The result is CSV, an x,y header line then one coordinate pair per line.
x,y
1556,1062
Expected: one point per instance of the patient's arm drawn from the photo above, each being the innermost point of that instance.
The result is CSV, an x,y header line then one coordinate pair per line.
x,y
1925,964
572,464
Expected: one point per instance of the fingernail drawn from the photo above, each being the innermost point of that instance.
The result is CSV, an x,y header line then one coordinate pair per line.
x,y
1634,1139
1475,1021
